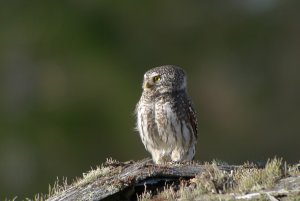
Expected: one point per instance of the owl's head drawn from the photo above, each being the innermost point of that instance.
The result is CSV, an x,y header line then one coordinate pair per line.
x,y
164,79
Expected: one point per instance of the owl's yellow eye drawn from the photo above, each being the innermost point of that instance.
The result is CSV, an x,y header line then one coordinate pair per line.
x,y
156,78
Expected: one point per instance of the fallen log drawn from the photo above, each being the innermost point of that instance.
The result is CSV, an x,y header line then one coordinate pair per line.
x,y
142,179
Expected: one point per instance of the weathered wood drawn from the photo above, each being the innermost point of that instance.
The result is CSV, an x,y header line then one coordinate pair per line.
x,y
126,176
283,188
123,181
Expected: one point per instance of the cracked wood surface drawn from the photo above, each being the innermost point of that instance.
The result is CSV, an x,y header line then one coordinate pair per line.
x,y
123,180
122,176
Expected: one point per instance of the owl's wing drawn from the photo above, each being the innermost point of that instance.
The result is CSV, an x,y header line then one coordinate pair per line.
x,y
193,119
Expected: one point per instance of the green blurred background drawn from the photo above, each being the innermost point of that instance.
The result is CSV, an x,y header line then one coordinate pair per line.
x,y
71,73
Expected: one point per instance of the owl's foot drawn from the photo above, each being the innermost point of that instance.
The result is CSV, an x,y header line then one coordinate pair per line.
x,y
162,160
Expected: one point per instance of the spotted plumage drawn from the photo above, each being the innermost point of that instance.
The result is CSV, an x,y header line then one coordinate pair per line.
x,y
166,119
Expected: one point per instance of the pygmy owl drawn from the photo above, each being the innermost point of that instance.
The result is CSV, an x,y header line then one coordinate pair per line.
x,y
166,119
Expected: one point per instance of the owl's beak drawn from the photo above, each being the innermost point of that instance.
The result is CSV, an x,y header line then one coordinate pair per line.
x,y
147,85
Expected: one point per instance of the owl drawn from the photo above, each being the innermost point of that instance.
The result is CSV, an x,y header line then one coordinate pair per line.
x,y
166,118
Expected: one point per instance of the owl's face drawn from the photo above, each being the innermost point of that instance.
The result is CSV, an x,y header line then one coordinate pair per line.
x,y
164,79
